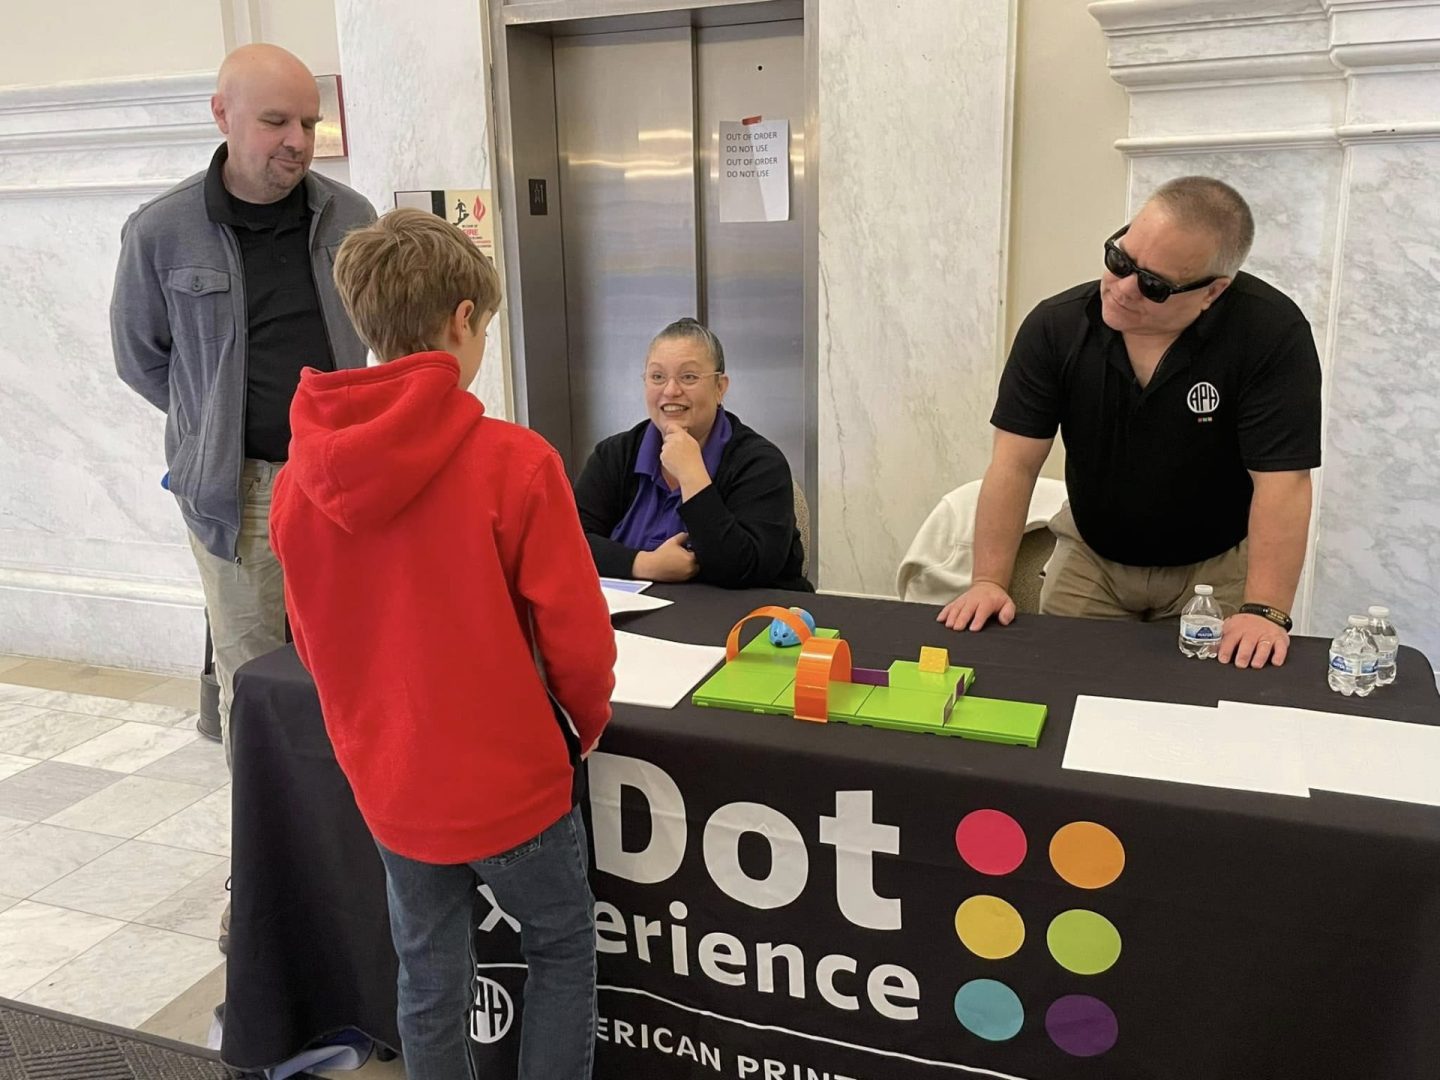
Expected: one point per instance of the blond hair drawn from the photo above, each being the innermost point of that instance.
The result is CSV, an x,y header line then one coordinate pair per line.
x,y
402,277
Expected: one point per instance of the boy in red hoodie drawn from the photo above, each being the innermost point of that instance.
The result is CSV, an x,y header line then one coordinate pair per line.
x,y
441,592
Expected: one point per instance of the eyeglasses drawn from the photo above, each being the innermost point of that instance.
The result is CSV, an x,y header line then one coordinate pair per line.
x,y
688,380
1155,289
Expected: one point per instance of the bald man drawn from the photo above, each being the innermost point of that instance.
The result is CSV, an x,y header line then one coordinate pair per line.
x,y
223,293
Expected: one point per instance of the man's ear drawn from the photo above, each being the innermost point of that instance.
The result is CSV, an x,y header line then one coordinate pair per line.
x,y
1216,289
217,110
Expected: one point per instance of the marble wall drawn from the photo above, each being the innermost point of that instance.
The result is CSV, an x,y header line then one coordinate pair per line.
x,y
94,564
1326,115
914,162
418,115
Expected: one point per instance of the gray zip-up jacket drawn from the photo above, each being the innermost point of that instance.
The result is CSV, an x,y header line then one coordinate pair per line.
x,y
178,325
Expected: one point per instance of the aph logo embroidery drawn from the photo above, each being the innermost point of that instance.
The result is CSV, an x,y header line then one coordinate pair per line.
x,y
1203,399
494,1012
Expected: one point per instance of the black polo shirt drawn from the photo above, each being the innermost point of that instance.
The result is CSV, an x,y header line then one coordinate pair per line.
x,y
285,329
1158,476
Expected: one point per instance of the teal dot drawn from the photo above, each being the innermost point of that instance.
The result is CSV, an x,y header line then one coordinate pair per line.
x,y
989,1009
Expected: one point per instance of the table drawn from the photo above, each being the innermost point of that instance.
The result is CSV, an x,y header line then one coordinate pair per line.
x,y
779,900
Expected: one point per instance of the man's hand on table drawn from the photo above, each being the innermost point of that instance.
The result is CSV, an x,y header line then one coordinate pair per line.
x,y
973,608
1252,641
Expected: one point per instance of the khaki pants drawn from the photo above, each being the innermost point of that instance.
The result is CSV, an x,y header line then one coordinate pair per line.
x,y
1080,583
246,599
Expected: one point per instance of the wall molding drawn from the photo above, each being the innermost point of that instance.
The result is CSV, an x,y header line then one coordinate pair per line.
x,y
86,189
108,587
120,137
190,88
1300,139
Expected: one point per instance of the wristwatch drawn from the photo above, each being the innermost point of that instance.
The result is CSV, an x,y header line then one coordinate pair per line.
x,y
1265,611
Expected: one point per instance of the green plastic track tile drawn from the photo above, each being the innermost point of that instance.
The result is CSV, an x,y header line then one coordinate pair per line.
x,y
845,699
749,687
759,649
1017,723
906,675
910,710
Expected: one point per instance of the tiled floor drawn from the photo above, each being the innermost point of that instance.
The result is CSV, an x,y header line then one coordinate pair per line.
x,y
114,849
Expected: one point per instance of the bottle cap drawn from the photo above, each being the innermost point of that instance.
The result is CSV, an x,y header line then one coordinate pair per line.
x,y
1378,612
1359,620
1204,590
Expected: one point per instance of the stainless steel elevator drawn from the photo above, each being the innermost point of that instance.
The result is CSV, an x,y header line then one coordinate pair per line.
x,y
606,124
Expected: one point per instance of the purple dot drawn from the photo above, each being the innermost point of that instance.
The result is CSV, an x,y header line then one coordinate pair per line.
x,y
1082,1025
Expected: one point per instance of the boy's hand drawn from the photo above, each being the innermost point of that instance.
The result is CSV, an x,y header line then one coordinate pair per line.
x,y
671,561
680,456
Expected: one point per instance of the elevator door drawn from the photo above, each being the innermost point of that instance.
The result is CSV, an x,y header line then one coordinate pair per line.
x,y
637,117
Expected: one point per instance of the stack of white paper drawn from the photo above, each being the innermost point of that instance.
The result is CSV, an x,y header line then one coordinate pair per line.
x,y
1270,748
1358,755
651,671
623,602
1186,744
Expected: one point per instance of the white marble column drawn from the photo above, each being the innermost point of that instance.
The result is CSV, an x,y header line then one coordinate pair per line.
x,y
914,160
418,115
1325,114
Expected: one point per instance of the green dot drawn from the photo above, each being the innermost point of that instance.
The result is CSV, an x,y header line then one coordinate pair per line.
x,y
1083,942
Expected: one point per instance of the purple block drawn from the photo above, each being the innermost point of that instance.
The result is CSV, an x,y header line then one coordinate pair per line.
x,y
869,676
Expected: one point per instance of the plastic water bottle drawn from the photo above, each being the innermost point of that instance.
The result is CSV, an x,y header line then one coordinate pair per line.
x,y
1387,644
1353,658
1201,624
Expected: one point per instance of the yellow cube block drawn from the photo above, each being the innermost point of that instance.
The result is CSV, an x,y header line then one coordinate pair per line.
x,y
934,659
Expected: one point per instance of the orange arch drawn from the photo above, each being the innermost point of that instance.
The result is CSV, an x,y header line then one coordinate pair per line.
x,y
822,661
770,611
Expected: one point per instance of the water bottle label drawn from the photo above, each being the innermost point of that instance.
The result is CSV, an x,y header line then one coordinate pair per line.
x,y
1367,667
1345,667
1199,633
1340,664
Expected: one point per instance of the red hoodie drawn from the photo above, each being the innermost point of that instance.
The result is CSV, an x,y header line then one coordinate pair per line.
x,y
431,554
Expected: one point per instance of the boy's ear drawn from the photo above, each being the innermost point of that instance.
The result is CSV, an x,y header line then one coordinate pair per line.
x,y
460,319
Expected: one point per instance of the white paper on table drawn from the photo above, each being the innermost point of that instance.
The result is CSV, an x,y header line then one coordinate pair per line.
x,y
621,602
1359,755
659,673
1185,744
624,584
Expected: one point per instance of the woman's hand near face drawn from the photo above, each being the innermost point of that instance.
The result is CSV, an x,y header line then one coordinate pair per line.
x,y
680,457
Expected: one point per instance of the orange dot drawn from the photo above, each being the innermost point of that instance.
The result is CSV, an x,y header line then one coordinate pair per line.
x,y
1087,855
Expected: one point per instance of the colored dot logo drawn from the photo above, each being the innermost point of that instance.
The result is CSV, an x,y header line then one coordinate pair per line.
x,y
1085,855
990,842
989,927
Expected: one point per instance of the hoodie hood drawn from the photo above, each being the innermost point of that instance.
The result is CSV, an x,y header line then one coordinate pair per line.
x,y
365,442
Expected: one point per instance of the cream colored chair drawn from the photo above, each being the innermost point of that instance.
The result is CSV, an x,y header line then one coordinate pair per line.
x,y
802,522
938,566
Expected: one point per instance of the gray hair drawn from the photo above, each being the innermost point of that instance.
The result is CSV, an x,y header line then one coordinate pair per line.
x,y
688,329
1206,203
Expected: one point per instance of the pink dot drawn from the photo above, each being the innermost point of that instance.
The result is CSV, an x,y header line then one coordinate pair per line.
x,y
990,841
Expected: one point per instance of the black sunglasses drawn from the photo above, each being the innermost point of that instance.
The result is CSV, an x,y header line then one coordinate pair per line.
x,y
1155,289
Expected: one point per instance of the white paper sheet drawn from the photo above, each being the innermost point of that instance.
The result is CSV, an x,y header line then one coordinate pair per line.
x,y
1358,755
624,584
1186,744
622,602
652,671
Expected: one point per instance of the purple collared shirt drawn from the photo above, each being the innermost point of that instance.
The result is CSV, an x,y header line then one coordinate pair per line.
x,y
654,516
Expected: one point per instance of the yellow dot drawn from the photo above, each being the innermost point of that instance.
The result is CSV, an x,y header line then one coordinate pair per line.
x,y
989,927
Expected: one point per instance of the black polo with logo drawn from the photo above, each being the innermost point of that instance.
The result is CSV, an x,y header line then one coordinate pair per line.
x,y
1159,476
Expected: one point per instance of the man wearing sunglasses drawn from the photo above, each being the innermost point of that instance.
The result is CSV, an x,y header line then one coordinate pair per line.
x,y
1188,396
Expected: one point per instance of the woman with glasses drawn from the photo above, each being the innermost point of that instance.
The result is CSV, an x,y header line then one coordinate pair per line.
x,y
691,493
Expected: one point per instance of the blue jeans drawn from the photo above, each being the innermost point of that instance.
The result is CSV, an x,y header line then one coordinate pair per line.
x,y
542,885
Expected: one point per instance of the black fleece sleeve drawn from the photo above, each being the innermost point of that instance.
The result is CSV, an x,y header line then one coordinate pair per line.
x,y
742,526
600,498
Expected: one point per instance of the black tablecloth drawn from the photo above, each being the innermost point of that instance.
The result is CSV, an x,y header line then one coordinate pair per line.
x,y
1262,936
